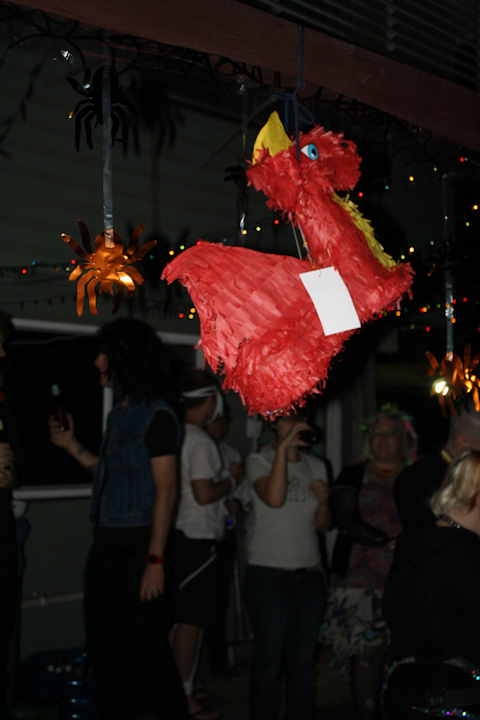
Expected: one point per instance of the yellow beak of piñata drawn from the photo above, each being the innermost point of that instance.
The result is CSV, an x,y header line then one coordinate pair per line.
x,y
272,137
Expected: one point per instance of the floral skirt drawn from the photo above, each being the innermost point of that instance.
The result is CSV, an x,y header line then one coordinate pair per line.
x,y
353,619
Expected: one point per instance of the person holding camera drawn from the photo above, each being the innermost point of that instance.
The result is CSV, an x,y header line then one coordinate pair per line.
x,y
285,584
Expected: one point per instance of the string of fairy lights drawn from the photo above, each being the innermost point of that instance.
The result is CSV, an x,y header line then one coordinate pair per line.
x,y
183,310
431,309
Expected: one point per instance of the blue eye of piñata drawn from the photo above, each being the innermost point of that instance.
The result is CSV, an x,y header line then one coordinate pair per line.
x,y
310,151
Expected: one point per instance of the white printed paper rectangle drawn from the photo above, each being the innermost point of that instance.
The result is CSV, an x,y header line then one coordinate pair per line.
x,y
333,302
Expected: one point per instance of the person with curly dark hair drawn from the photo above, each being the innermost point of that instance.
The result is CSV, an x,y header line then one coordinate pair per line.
x,y
139,365
133,497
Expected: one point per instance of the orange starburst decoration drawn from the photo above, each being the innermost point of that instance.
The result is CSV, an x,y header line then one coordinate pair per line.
x,y
109,265
455,378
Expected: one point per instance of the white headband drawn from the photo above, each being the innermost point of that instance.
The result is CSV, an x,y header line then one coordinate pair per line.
x,y
201,392
209,391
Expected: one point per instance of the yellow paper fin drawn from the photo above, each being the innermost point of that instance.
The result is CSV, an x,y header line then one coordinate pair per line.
x,y
364,226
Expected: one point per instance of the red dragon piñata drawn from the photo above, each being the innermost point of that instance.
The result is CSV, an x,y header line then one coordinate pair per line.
x,y
258,323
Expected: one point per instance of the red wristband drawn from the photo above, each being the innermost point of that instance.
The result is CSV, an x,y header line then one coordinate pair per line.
x,y
154,559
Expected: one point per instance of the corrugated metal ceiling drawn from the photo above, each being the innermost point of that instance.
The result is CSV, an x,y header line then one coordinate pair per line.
x,y
439,36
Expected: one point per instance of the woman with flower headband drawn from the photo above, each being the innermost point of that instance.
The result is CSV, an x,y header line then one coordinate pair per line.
x,y
431,602
365,515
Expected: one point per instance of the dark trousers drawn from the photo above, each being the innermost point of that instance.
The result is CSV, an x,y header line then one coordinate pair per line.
x,y
127,640
216,632
8,590
286,610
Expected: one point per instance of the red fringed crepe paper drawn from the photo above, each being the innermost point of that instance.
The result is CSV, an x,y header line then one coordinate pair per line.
x,y
258,323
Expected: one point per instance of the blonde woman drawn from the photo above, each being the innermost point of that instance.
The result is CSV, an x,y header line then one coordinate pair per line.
x,y
432,601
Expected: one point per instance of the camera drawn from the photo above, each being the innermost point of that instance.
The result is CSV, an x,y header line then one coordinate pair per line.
x,y
308,436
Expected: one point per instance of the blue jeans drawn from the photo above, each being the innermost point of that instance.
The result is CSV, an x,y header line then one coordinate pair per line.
x,y
286,609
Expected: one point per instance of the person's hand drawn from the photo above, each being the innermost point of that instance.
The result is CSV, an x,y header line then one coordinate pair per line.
x,y
234,507
151,585
58,436
237,471
320,490
7,471
291,439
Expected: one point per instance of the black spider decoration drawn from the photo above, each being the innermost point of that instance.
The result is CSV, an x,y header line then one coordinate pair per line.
x,y
92,89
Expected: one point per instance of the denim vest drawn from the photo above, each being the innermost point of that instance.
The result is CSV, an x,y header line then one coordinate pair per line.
x,y
128,494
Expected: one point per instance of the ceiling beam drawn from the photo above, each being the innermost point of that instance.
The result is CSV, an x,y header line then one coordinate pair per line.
x,y
230,29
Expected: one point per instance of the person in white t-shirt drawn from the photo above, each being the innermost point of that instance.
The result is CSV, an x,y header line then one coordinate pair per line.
x,y
199,528
285,586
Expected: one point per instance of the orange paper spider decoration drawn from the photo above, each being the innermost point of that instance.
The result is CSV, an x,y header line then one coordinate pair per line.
x,y
109,264
458,377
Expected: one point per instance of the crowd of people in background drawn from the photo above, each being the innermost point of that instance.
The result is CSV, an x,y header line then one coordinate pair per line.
x,y
399,592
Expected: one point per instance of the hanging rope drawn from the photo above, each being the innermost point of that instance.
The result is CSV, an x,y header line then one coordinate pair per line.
x,y
107,153
301,34
242,201
447,240
301,113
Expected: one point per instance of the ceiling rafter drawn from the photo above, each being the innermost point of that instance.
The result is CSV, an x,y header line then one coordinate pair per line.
x,y
230,29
